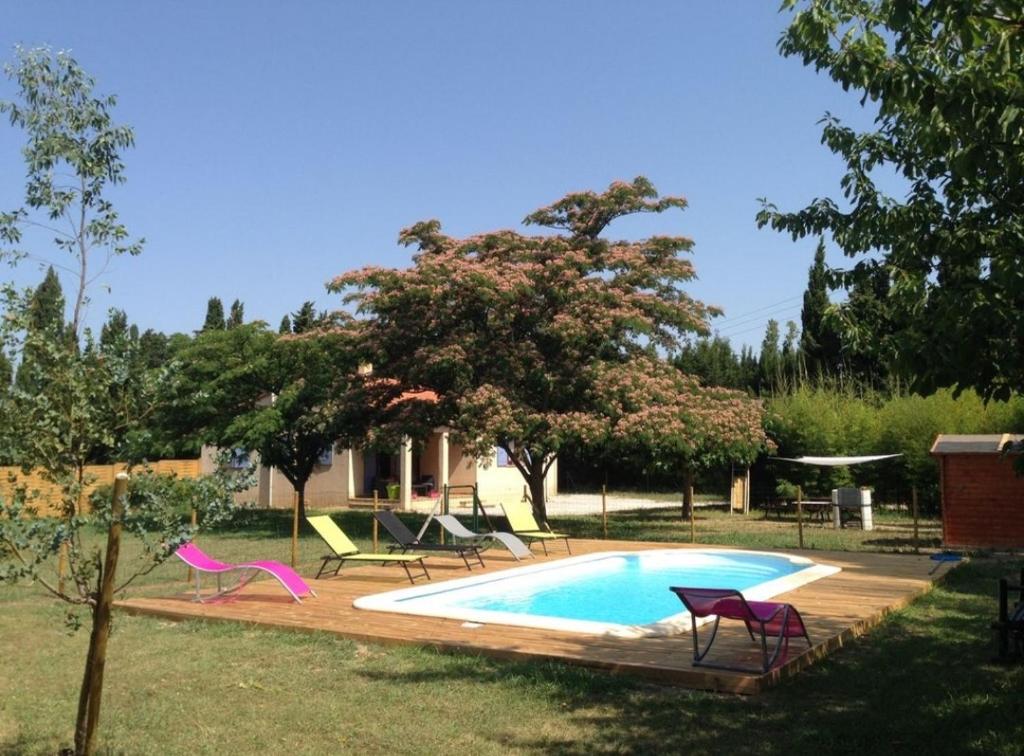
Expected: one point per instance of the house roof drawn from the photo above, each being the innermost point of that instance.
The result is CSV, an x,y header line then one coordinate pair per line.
x,y
991,443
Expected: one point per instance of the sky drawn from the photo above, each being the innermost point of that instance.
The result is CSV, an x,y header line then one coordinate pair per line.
x,y
281,144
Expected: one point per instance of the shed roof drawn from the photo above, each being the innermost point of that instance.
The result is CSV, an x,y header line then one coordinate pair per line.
x,y
991,443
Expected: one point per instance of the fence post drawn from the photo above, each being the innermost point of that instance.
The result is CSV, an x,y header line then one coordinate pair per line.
x,y
376,504
913,505
295,529
604,511
800,515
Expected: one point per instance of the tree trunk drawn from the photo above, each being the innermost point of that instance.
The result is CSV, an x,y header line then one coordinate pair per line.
x,y
687,494
91,695
301,491
537,492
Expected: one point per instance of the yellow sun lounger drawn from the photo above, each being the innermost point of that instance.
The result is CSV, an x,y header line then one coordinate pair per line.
x,y
346,551
524,525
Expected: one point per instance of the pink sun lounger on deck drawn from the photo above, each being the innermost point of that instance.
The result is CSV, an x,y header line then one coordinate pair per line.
x,y
289,579
781,621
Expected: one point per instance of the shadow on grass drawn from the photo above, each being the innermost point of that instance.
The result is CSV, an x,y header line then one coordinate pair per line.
x,y
920,682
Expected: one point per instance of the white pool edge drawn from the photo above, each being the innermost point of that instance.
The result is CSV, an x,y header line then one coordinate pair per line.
x,y
390,601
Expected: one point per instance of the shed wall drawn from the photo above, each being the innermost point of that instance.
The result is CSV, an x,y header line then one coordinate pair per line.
x,y
982,501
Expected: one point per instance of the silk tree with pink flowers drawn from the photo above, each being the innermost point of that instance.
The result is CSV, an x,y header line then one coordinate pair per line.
x,y
533,342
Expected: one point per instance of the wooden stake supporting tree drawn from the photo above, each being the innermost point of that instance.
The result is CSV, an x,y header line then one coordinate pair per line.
x,y
91,693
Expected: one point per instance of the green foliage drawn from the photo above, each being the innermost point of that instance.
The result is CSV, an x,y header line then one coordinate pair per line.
x,y
714,362
819,341
214,315
287,398
69,131
823,421
237,316
286,325
948,80
305,319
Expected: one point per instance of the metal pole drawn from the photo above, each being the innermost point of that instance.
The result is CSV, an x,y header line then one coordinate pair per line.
x,y
913,505
604,511
194,520
800,515
376,504
295,529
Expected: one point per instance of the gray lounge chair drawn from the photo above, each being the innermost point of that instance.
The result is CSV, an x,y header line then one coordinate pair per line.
x,y
509,541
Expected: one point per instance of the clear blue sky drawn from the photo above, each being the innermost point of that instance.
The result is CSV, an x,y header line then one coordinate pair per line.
x,y
280,144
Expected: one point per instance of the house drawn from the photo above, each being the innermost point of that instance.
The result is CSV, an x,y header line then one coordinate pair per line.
x,y
409,479
982,494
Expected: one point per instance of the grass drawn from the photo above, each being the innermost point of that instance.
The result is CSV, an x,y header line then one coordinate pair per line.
x,y
920,682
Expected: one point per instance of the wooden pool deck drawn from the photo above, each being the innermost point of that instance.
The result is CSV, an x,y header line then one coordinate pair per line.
x,y
835,610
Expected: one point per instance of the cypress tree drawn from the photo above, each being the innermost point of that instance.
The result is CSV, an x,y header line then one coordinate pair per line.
x,y
214,315
45,316
305,318
237,315
286,325
819,342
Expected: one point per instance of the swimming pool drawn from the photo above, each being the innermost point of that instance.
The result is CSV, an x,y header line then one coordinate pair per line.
x,y
622,593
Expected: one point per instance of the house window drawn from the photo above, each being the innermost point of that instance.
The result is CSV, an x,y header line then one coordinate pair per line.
x,y
239,459
326,457
503,458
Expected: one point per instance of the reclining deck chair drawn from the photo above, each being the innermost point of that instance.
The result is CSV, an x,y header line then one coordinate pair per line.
x,y
770,618
458,530
346,551
524,525
406,540
195,558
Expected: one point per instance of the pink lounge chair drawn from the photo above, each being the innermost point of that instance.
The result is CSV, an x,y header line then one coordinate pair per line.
x,y
779,620
289,579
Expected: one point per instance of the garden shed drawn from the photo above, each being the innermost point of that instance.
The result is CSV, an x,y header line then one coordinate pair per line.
x,y
982,494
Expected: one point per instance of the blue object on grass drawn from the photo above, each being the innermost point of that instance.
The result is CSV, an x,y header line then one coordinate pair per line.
x,y
944,556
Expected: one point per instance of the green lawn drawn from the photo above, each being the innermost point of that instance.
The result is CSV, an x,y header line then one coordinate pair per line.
x,y
921,682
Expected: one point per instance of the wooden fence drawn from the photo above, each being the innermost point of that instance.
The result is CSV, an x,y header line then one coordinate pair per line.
x,y
46,496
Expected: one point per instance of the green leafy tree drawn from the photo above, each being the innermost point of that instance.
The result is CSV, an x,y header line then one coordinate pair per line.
x,y
115,330
237,314
73,157
712,360
214,315
89,398
529,340
154,349
286,325
948,80
287,398
819,340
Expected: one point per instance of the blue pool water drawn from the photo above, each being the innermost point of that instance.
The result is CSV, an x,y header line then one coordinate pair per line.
x,y
625,588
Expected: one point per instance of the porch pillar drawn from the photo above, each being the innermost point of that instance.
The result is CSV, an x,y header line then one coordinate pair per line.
x,y
405,474
350,475
442,462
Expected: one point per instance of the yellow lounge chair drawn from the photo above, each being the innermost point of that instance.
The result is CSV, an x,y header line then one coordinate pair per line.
x,y
524,525
346,551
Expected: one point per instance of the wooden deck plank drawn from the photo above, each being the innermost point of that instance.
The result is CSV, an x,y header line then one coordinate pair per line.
x,y
835,610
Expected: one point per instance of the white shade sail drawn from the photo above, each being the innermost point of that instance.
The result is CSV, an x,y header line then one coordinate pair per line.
x,y
836,461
